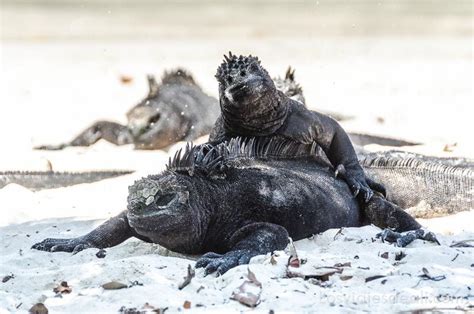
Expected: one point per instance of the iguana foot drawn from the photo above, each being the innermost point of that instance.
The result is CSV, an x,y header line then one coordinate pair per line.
x,y
358,184
74,245
403,239
221,263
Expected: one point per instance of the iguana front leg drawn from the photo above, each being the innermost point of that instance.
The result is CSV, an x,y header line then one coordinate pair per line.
x,y
112,232
340,152
112,132
249,241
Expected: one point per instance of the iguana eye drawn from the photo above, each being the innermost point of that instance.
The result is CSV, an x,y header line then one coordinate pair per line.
x,y
165,199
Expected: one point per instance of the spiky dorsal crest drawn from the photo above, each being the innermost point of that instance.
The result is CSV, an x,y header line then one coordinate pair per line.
x,y
209,159
177,76
415,164
290,74
233,62
289,86
153,86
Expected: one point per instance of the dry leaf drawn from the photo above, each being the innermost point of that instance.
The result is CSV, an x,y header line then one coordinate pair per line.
x,y
320,273
273,260
449,147
400,256
187,305
249,292
344,278
62,288
374,278
38,308
148,306
346,264
114,285
426,275
384,255
126,79
188,278
293,260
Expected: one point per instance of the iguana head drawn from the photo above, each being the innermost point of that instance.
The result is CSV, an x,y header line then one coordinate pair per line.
x,y
156,122
250,103
159,208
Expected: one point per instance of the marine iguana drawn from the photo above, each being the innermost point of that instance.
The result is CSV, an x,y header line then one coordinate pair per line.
x,y
251,106
39,180
175,110
200,204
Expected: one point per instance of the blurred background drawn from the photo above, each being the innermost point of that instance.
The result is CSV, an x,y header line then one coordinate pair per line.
x,y
404,68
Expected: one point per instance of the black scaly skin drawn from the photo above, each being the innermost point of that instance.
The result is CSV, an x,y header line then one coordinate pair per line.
x,y
251,106
175,110
200,204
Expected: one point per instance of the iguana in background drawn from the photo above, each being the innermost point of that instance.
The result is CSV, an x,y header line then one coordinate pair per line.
x,y
39,180
237,200
175,110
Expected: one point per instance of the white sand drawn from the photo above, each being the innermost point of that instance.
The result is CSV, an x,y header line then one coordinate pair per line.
x,y
37,273
60,71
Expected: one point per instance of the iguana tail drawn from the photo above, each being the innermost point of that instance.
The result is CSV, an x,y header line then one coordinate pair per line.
x,y
426,188
38,180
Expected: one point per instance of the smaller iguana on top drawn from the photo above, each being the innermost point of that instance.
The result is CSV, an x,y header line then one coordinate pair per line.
x,y
252,106
175,110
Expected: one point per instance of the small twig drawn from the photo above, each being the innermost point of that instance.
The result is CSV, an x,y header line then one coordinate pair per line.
x,y
188,278
463,243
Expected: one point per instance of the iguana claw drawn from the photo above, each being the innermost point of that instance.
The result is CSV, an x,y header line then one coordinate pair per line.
x,y
74,245
221,263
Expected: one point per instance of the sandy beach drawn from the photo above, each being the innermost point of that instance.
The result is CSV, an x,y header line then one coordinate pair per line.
x,y
402,69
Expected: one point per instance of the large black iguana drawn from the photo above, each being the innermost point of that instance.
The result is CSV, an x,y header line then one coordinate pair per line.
x,y
235,201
